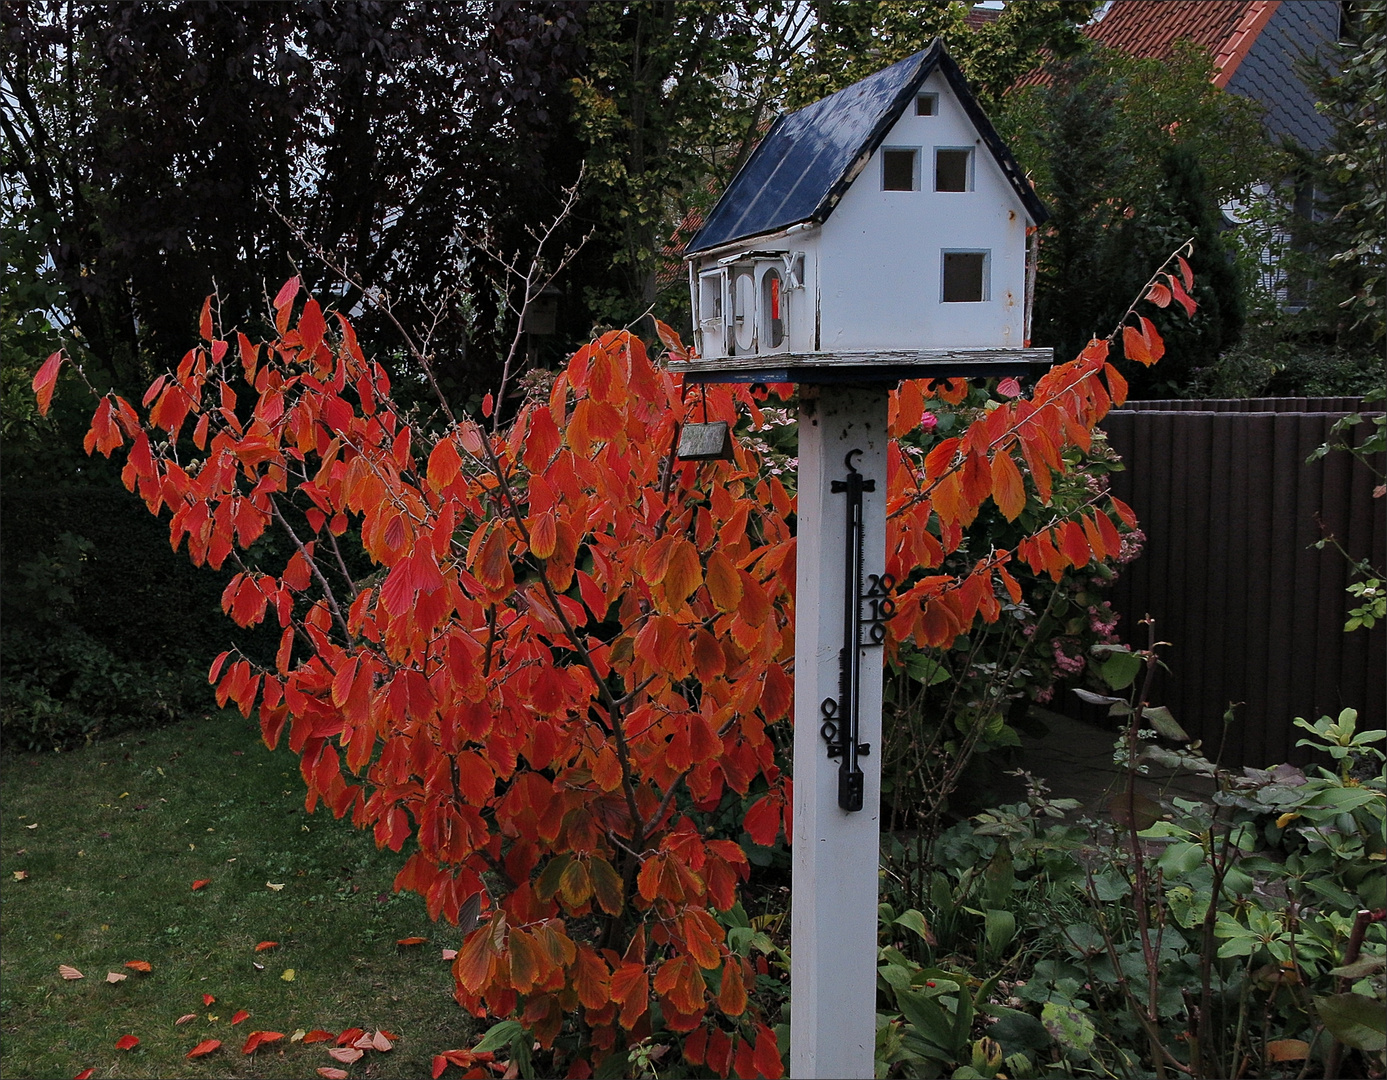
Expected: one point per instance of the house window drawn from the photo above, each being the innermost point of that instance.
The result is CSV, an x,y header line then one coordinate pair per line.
x,y
965,276
712,300
743,312
772,334
900,170
953,169
927,105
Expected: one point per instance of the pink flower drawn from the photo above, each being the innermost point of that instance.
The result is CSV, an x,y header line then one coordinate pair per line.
x,y
928,421
1009,388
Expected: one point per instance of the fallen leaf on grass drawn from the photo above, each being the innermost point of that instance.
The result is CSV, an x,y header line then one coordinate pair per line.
x,y
318,1035
115,977
127,1042
85,1074
204,1048
67,971
450,954
288,975
258,967
241,1014
350,1036
381,1041
345,1054
259,1038
35,825
139,965
185,1018
329,1073
364,1043
21,875
201,883
407,941
276,886
208,999
266,945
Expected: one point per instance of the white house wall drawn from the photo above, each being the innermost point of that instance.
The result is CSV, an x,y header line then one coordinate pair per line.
x,y
880,252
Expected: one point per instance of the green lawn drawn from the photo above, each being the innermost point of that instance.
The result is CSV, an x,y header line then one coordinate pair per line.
x,y
100,851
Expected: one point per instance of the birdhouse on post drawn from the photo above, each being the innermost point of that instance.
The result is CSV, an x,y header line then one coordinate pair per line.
x,y
884,226
879,234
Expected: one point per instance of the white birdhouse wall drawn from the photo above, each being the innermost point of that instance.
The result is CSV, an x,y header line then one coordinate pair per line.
x,y
927,248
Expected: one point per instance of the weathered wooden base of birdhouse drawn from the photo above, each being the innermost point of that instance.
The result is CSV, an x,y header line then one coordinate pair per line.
x,y
838,680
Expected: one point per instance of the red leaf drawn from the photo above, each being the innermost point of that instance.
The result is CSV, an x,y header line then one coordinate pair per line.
x,y
488,403
411,941
127,1042
85,1074
241,1014
208,999
139,965
258,1038
763,820
287,292
201,883
1134,345
1186,301
1008,490
318,1035
45,380
204,322
266,945
1185,271
204,1048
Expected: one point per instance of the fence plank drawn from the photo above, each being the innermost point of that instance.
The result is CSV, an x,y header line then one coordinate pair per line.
x,y
1254,613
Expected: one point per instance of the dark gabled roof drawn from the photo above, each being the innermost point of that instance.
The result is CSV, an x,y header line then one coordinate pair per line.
x,y
808,158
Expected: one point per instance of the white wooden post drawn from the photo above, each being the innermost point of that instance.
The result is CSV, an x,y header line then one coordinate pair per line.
x,y
834,853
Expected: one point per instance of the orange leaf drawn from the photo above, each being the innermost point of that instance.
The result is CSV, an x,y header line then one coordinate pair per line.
x,y
345,1054
139,965
204,322
318,1035
45,380
723,581
201,883
266,945
1134,345
1288,1050
544,536
1185,271
683,574
411,941
1159,295
1186,301
184,1019
67,971
127,1042
204,1048
85,1074
1008,490
241,1014
1154,344
208,999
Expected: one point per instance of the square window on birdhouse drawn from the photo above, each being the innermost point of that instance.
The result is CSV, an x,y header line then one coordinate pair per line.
x,y
964,277
953,169
927,105
900,170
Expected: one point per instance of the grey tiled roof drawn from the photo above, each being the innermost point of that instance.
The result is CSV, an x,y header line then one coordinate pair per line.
x,y
1271,72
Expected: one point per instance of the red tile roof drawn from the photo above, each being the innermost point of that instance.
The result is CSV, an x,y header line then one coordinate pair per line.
x,y
1150,28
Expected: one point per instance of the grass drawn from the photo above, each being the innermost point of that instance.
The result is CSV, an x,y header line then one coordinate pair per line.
x,y
100,849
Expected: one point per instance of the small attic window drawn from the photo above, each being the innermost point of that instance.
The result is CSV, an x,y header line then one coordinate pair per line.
x,y
964,277
953,169
927,105
900,170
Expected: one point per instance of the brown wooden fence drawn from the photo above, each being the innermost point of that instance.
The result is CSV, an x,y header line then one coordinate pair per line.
x,y
1253,611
